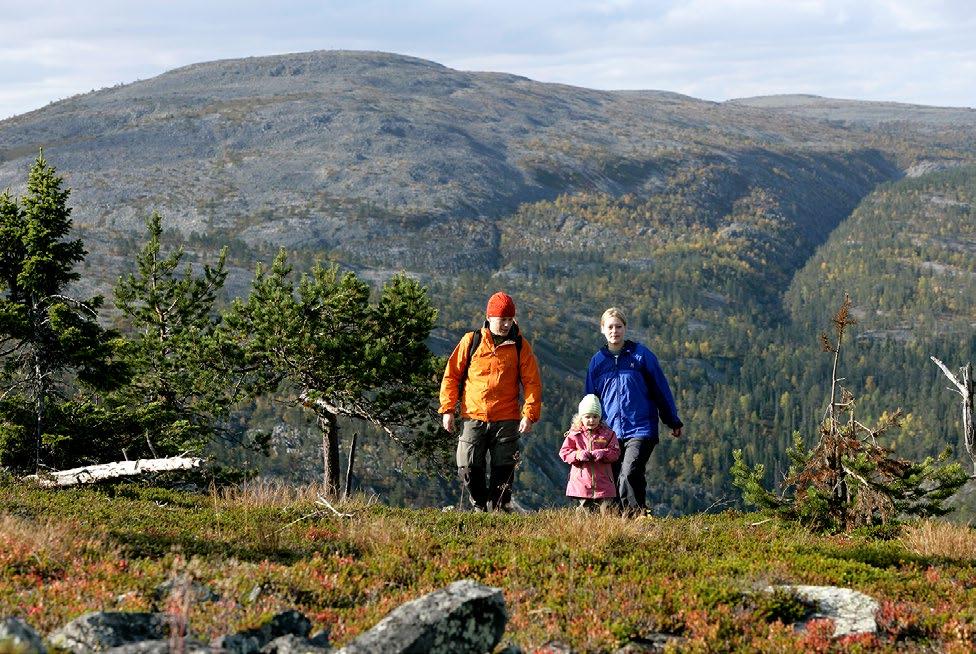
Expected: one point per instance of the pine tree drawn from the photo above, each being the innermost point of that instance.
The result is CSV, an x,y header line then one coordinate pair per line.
x,y
46,337
327,347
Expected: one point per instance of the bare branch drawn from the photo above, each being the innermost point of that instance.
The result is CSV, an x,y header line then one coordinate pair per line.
x,y
77,303
960,387
324,502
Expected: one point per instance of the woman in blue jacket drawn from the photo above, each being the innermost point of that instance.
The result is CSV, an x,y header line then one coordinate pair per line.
x,y
634,392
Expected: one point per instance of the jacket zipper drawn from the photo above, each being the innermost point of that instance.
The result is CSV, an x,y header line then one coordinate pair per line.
x,y
589,448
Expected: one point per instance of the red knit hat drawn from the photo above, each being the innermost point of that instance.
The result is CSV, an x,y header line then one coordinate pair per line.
x,y
501,305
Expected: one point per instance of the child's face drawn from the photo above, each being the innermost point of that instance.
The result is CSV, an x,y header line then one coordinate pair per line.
x,y
590,421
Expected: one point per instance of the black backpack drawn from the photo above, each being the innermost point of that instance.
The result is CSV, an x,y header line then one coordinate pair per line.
x,y
473,347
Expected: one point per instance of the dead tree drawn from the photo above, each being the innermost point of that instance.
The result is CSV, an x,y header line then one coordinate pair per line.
x,y
965,389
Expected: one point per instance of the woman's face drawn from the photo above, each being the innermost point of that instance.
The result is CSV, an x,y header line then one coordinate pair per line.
x,y
613,329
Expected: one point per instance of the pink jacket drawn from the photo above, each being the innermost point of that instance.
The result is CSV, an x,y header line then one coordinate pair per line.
x,y
590,456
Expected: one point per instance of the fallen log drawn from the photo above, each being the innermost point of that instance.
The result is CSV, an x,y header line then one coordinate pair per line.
x,y
104,471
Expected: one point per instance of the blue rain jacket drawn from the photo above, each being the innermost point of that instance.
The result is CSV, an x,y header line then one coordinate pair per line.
x,y
633,391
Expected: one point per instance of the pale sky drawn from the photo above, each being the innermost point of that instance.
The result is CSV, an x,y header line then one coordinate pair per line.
x,y
915,51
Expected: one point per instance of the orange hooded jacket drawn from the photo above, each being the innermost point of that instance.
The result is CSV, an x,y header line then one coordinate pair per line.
x,y
491,391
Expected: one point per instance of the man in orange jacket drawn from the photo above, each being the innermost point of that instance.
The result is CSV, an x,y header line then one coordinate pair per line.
x,y
487,384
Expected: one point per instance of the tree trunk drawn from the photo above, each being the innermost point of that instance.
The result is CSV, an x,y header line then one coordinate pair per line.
x,y
969,430
330,453
38,411
347,488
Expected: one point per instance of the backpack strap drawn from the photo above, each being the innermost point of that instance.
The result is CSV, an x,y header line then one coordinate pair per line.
x,y
472,348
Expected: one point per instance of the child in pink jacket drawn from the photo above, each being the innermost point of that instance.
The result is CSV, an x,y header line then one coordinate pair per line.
x,y
589,448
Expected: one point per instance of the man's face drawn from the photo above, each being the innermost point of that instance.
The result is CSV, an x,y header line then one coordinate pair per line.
x,y
614,330
500,326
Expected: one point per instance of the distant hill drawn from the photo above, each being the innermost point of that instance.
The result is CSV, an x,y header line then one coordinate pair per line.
x,y
859,111
707,222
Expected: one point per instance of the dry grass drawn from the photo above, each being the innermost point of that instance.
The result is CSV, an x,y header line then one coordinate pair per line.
x,y
274,493
936,538
271,493
50,541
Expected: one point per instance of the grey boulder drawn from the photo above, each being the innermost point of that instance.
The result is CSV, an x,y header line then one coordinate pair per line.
x,y
252,641
103,630
162,647
292,644
465,617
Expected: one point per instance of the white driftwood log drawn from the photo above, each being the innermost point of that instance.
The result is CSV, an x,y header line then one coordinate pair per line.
x,y
91,474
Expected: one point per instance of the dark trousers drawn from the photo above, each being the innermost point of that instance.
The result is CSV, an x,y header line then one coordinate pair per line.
x,y
479,441
629,471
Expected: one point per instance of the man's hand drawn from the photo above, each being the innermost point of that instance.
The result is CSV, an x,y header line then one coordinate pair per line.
x,y
525,426
676,432
448,421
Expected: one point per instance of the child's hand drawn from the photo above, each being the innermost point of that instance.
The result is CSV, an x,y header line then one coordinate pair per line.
x,y
584,455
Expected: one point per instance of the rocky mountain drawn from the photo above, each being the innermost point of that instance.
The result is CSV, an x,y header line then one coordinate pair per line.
x,y
334,150
695,216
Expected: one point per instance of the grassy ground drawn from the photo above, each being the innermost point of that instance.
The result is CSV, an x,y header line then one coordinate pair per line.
x,y
593,582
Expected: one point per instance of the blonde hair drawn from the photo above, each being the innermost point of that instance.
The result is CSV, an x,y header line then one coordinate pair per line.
x,y
612,312
575,423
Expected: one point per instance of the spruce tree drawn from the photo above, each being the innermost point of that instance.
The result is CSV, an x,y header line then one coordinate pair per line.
x,y
47,337
848,479
178,391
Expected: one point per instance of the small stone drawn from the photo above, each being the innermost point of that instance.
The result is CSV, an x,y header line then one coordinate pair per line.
x,y
19,634
650,644
852,611
555,647
321,639
198,592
